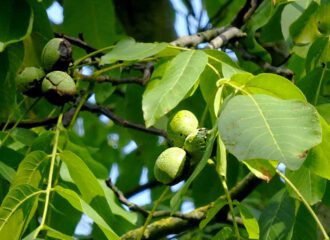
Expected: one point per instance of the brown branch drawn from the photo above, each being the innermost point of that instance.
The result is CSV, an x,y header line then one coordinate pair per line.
x,y
140,188
172,225
77,42
246,12
267,67
30,123
136,208
120,121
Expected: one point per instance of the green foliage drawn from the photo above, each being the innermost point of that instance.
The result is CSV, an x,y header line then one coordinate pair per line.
x,y
260,98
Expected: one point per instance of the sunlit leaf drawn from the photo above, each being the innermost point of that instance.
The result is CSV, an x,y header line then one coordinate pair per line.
x,y
249,221
16,211
264,127
7,172
30,169
161,96
129,50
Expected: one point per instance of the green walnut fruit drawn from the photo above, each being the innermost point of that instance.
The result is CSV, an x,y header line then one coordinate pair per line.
x,y
58,87
195,143
29,81
56,55
180,126
169,165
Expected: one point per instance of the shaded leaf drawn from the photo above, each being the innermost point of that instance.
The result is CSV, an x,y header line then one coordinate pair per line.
x,y
162,96
311,186
14,29
97,21
260,126
10,61
276,221
7,172
82,206
318,157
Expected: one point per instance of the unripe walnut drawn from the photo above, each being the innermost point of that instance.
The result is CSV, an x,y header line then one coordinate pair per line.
x,y
29,81
195,144
58,87
56,55
180,126
169,165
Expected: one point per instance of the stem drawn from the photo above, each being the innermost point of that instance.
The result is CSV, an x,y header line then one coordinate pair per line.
x,y
109,68
80,105
50,176
309,208
159,200
319,87
231,206
90,55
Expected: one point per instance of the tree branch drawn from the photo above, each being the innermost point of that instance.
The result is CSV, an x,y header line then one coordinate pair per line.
x,y
136,208
267,67
122,122
172,225
77,42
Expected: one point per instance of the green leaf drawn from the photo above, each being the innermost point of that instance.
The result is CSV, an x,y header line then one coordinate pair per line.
x,y
30,169
16,20
290,14
270,84
261,126
249,221
129,50
51,232
95,19
10,61
318,157
304,29
225,233
217,206
305,227
260,18
276,221
311,186
176,199
7,172
182,73
227,66
82,176
82,206
16,211
262,169
92,191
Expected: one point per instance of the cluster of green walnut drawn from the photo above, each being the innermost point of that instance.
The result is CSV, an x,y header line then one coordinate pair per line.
x,y
50,81
189,143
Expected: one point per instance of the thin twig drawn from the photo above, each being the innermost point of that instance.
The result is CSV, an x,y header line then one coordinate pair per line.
x,y
120,121
77,42
136,208
223,38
